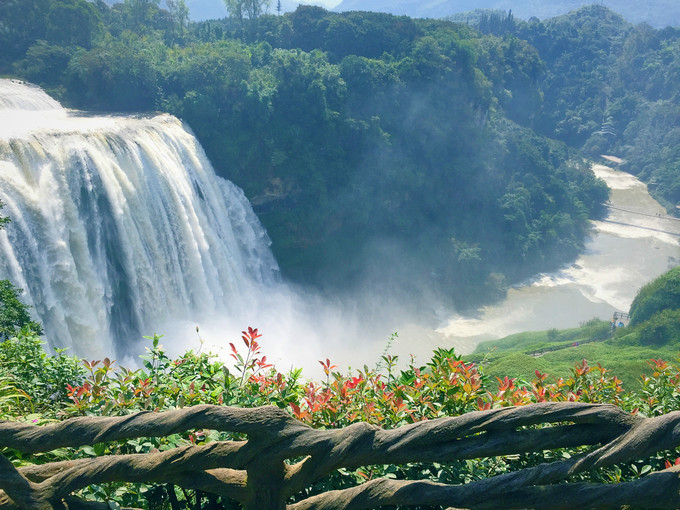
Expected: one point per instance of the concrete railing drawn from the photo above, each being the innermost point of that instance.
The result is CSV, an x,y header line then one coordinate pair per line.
x,y
280,457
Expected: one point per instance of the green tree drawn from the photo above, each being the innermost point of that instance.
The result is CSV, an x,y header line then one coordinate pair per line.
x,y
14,315
254,8
45,64
240,9
72,22
235,9
180,14
22,22
140,12
120,75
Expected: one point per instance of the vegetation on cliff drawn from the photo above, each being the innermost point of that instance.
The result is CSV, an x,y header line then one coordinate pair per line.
x,y
662,294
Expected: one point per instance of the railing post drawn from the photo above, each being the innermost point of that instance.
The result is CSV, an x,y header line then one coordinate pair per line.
x,y
265,486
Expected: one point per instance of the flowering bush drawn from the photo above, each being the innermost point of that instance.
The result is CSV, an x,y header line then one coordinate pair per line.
x,y
445,386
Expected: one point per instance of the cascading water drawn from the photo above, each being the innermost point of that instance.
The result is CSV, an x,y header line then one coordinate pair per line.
x,y
119,224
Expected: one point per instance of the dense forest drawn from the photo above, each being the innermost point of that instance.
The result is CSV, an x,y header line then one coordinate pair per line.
x,y
374,146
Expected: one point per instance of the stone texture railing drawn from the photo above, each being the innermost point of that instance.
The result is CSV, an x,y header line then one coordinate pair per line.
x,y
255,472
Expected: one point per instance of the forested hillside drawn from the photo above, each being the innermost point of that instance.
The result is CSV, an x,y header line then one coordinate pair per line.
x,y
609,87
372,146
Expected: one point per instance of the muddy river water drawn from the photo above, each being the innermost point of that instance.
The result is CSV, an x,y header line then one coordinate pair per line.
x,y
635,243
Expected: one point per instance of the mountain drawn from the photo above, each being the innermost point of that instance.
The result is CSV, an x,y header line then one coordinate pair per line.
x,y
659,13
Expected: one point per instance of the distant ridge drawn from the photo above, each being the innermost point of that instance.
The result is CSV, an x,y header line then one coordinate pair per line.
x,y
658,13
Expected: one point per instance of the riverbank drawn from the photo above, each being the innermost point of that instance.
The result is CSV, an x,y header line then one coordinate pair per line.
x,y
635,243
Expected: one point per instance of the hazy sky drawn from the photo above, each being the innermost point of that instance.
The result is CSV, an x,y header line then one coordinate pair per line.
x,y
328,4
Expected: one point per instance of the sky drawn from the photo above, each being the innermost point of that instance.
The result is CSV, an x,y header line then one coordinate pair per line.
x,y
214,9
328,4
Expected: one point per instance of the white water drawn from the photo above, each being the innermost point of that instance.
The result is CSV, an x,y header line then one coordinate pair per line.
x,y
119,226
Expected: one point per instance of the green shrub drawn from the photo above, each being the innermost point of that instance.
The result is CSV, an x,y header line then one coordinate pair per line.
x,y
662,328
42,378
445,386
10,398
660,294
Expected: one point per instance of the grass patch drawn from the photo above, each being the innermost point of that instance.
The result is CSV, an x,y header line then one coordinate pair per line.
x,y
620,353
534,341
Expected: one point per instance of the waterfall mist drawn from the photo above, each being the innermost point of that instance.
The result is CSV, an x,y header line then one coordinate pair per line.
x,y
120,228
120,225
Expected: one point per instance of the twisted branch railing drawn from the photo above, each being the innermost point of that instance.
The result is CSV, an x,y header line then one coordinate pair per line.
x,y
254,471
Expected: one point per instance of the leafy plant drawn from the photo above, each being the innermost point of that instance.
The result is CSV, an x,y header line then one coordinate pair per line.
x,y
446,385
10,397
43,378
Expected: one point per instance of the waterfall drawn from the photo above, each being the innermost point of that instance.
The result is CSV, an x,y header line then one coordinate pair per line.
x,y
119,224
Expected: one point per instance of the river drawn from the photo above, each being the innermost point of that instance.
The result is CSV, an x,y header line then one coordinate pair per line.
x,y
634,244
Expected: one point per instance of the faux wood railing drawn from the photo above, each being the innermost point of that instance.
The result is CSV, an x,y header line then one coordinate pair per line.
x,y
255,472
